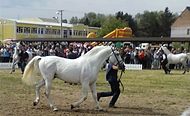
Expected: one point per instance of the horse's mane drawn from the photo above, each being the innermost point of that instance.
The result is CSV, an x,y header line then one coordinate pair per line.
x,y
165,50
95,50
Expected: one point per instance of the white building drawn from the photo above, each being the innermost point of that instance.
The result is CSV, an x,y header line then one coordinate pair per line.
x,y
181,27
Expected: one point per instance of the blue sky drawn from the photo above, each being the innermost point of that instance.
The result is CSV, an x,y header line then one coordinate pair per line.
x,y
18,9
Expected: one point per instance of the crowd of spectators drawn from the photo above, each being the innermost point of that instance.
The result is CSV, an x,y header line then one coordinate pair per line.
x,y
147,57
61,49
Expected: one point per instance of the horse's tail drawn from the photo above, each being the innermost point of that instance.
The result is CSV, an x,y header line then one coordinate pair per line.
x,y
31,69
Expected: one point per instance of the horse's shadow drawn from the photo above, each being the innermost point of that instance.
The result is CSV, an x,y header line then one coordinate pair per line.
x,y
176,73
117,111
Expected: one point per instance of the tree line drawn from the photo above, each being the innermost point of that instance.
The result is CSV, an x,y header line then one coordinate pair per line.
x,y
146,24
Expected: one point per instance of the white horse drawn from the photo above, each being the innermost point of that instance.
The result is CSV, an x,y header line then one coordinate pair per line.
x,y
82,70
176,58
16,58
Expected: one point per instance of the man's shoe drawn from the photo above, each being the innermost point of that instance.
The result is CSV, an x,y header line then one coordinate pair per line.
x,y
112,106
98,96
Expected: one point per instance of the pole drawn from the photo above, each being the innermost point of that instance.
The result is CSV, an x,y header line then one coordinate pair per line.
x,y
61,32
1,30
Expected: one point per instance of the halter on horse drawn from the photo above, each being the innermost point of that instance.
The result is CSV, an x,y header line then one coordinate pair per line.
x,y
82,70
16,57
176,58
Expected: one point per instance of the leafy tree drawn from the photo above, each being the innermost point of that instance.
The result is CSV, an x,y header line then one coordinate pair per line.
x,y
64,21
110,24
148,24
74,20
166,20
93,19
128,19
154,24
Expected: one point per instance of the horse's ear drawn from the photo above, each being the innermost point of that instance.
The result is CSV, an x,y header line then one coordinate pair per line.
x,y
109,43
113,47
18,43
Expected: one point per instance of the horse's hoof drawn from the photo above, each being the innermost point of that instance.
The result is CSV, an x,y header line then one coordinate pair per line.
x,y
72,107
55,109
35,103
99,109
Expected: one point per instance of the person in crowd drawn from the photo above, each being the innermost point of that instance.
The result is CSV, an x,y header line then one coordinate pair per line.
x,y
23,55
71,54
156,60
141,57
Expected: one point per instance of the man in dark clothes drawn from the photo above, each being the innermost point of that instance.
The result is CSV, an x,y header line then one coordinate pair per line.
x,y
164,62
112,78
23,55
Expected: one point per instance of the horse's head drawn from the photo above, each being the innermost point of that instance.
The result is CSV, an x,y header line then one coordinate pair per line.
x,y
115,58
18,45
161,50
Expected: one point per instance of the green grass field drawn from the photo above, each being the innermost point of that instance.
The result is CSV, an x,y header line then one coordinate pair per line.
x,y
147,92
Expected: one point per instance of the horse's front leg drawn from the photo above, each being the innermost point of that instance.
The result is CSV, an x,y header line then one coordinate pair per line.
x,y
85,86
12,67
38,86
184,72
94,95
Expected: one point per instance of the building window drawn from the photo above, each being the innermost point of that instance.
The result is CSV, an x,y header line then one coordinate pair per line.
x,y
42,31
70,32
26,29
39,30
188,31
80,33
65,33
48,31
75,33
19,29
58,32
85,33
34,30
54,31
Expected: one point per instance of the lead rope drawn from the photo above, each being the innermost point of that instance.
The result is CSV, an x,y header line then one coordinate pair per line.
x,y
118,62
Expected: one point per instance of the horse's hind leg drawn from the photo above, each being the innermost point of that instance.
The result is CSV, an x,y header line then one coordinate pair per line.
x,y
47,93
185,68
184,71
83,97
38,86
94,95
